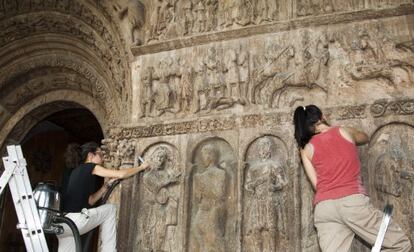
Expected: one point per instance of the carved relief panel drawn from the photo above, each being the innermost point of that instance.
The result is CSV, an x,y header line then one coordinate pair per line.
x,y
266,221
173,19
212,213
159,190
168,20
348,62
390,166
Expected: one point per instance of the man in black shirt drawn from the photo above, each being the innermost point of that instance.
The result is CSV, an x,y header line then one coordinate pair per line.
x,y
80,196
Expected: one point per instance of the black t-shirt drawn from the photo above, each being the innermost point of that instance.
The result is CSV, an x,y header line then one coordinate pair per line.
x,y
82,183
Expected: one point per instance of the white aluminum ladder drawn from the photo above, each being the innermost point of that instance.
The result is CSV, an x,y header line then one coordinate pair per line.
x,y
15,174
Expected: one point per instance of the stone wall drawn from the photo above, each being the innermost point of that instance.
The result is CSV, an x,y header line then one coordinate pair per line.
x,y
206,90
215,84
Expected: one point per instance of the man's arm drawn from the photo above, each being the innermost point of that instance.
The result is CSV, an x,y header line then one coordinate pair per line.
x,y
306,156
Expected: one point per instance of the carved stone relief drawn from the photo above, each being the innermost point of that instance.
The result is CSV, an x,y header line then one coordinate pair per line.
x,y
16,29
133,12
213,195
224,77
384,107
173,19
265,220
390,166
259,73
90,24
160,193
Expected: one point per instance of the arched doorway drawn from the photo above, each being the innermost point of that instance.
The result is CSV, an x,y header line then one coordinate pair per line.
x,y
43,147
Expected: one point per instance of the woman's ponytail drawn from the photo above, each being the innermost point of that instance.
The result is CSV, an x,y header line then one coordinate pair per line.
x,y
304,120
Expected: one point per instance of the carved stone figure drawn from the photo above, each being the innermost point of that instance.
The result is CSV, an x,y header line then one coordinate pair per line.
x,y
271,72
211,16
162,93
147,98
311,62
262,11
188,18
161,205
200,17
202,91
244,12
391,171
224,8
388,166
311,7
265,181
186,92
152,31
368,61
209,194
134,11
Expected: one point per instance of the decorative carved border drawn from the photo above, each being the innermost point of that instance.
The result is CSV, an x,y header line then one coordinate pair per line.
x,y
311,21
377,109
384,107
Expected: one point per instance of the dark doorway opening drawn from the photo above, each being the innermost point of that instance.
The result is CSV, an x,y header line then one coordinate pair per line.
x,y
43,147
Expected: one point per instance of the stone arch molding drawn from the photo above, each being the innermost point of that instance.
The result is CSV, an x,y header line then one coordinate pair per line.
x,y
17,126
61,45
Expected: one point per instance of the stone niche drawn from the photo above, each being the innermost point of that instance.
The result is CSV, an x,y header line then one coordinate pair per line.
x,y
214,118
226,191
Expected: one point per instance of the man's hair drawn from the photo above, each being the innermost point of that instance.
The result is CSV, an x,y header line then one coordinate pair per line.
x,y
304,119
89,147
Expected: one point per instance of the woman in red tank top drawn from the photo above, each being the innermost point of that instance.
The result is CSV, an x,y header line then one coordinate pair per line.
x,y
331,162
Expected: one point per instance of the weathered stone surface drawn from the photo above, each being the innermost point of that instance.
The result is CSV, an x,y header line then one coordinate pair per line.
x,y
205,91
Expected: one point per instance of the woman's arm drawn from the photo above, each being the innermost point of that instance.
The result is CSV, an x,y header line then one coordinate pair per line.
x,y
353,135
306,156
93,198
119,174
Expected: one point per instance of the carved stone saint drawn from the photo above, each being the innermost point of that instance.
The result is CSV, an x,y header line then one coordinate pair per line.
x,y
388,165
265,180
209,193
161,204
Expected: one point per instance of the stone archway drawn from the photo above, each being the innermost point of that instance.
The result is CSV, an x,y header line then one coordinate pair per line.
x,y
66,46
44,133
37,109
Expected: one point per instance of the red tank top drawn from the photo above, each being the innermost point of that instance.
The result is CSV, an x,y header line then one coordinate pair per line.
x,y
337,166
